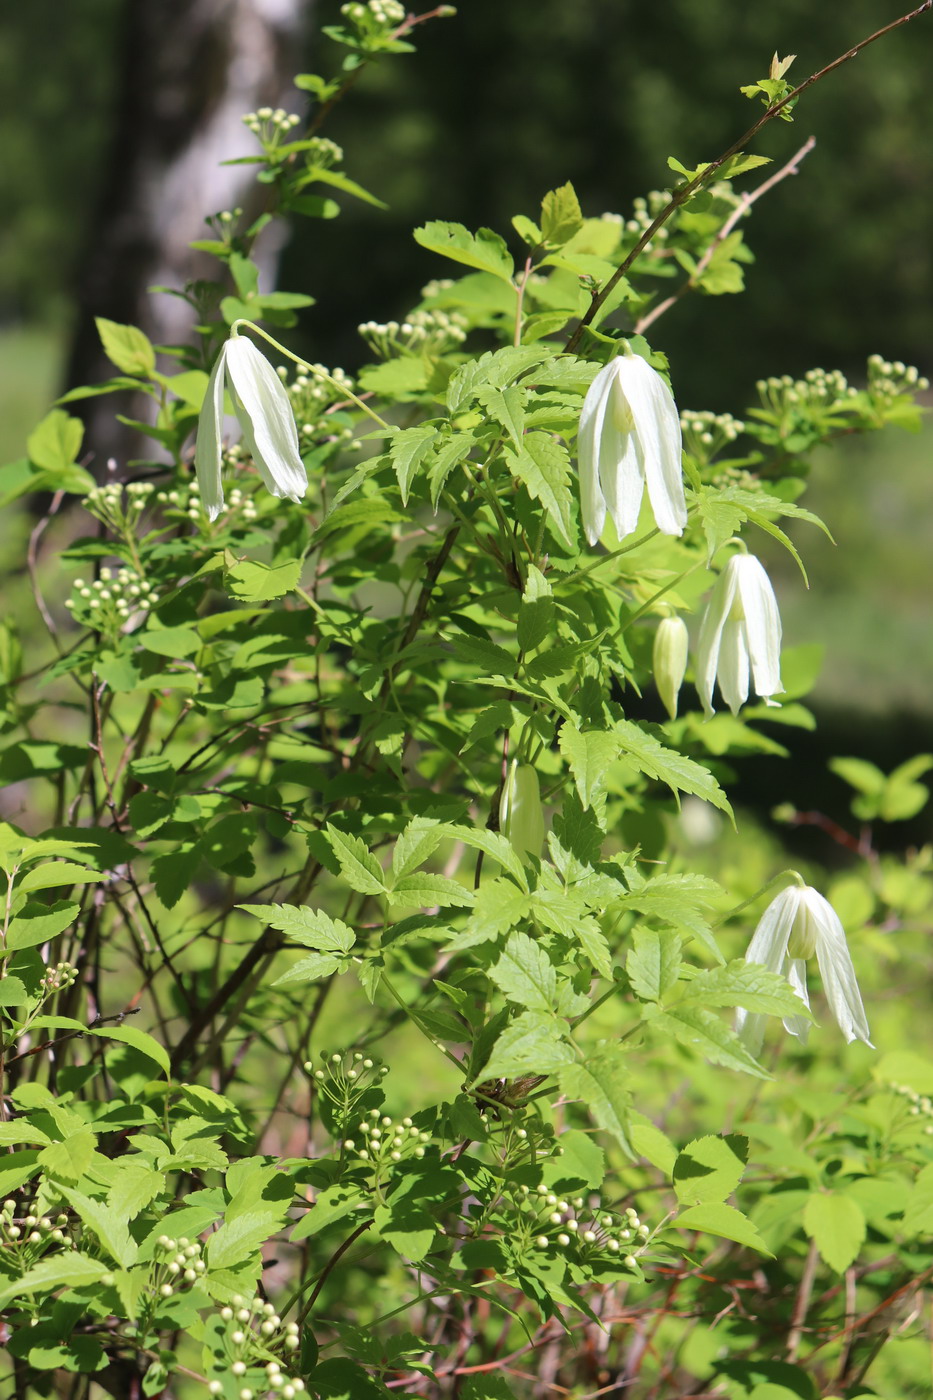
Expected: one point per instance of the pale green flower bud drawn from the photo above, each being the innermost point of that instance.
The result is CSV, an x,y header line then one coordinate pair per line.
x,y
671,644
521,817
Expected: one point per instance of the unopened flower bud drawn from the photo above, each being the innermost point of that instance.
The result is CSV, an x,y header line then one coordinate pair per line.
x,y
521,816
671,644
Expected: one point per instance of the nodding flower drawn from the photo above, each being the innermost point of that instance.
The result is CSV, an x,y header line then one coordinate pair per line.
x,y
629,437
796,925
740,636
266,422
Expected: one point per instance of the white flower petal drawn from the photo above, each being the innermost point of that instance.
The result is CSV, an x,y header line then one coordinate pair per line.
x,y
710,640
733,665
657,427
762,623
836,970
209,445
770,939
592,417
629,435
797,977
266,418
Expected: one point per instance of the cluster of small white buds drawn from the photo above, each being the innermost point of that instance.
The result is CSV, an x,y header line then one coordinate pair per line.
x,y
254,1328
705,433
271,124
312,393
33,1235
385,1142
108,603
591,1231
819,388
888,378
223,224
436,287
644,212
428,332
57,978
323,153
119,505
921,1105
383,12
179,1264
344,1080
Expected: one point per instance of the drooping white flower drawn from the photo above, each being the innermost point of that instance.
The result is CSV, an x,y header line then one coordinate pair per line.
x,y
795,925
521,816
266,422
671,645
740,633
629,437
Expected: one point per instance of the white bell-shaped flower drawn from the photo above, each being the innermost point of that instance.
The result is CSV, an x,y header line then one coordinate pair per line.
x,y
266,422
795,925
629,437
740,636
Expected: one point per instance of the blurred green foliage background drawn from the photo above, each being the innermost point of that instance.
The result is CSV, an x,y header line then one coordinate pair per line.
x,y
504,102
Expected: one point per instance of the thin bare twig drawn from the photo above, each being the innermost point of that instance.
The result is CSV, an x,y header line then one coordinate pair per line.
x,y
681,195
739,212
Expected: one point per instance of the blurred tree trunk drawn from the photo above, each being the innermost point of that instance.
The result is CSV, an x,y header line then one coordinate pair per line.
x,y
190,70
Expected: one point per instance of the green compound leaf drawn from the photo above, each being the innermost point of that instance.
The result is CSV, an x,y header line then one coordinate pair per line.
x,y
359,868
530,1044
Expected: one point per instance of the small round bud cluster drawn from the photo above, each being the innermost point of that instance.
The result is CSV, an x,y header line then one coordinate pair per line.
x,y
178,1265
119,505
223,224
384,1142
378,13
593,1233
921,1105
889,378
315,393
819,388
270,125
323,153
644,213
110,601
344,1080
427,332
253,1330
30,1233
57,978
437,288
706,434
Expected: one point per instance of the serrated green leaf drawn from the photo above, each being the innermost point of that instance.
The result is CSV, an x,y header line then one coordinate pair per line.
x,y
836,1224
665,765
68,1268
109,1228
253,582
407,449
530,1044
724,1221
704,1032
54,443
71,1157
653,963
589,755
238,1239
744,984
542,465
536,613
601,1085
493,844
126,347
485,250
312,928
358,866
526,974
561,216
709,1169
424,890
37,923
507,408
